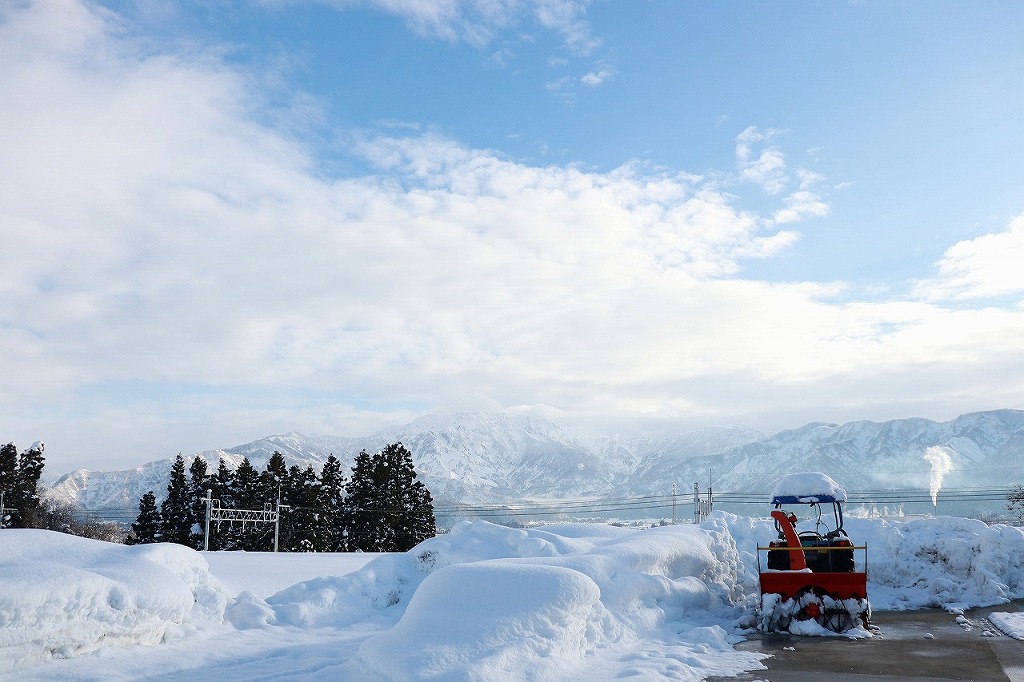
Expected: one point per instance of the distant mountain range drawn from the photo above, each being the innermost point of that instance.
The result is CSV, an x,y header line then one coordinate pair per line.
x,y
493,458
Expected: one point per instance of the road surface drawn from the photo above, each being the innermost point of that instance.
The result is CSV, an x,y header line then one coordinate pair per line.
x,y
918,646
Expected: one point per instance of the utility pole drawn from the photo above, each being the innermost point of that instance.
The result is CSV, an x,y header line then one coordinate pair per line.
x,y
673,503
206,527
277,515
711,501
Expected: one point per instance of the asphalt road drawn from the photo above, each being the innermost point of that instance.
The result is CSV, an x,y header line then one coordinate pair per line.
x,y
921,646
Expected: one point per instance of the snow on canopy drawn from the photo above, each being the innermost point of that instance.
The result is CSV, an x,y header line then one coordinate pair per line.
x,y
806,487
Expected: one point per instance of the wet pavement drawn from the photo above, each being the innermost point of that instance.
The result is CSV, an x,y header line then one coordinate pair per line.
x,y
922,646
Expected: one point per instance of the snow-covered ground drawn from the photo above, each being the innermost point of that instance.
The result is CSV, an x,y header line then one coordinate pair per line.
x,y
264,573
484,602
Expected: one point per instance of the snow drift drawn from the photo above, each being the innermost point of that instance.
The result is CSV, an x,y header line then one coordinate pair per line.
x,y
484,602
559,602
64,595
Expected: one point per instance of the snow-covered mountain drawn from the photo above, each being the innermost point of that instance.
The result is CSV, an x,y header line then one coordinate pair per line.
x,y
984,449
464,458
482,458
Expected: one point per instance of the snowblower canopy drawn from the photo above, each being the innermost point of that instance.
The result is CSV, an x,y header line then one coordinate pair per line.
x,y
811,487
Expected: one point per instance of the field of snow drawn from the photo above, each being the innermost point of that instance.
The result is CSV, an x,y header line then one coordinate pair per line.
x,y
484,602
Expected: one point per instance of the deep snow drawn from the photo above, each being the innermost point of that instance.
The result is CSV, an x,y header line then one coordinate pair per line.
x,y
484,602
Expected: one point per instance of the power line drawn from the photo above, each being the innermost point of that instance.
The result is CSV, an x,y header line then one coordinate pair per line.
x,y
650,503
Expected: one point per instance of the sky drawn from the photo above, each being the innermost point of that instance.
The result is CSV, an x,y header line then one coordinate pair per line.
x,y
220,221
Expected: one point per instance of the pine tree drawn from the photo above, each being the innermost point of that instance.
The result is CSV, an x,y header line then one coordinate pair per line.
x,y
26,487
418,522
146,528
299,522
388,510
198,482
273,477
245,489
222,483
248,491
330,505
1015,504
8,477
175,515
362,505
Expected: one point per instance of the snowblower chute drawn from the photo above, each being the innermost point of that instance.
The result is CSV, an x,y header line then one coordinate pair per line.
x,y
811,580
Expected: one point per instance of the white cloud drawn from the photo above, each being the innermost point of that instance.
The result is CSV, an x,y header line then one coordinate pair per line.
x,y
767,168
477,22
987,266
596,78
800,205
157,234
568,18
471,21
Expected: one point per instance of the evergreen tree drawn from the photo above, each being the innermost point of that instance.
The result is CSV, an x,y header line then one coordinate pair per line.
x,y
26,487
388,510
1015,504
330,507
198,482
248,491
245,489
361,505
8,477
175,512
273,477
418,522
220,485
146,528
299,522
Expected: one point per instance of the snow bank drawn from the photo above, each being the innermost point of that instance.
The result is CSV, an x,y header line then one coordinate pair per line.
x,y
945,562
485,602
62,595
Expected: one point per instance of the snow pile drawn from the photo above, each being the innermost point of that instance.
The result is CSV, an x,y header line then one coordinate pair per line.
x,y
484,602
63,595
560,602
1011,624
944,562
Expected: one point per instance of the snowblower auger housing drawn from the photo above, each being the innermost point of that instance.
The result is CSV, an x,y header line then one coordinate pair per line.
x,y
810,580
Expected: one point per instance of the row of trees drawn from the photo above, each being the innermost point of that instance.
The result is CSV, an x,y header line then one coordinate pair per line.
x,y
19,485
381,508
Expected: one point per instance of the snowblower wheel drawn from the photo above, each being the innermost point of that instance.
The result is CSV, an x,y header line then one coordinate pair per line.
x,y
829,612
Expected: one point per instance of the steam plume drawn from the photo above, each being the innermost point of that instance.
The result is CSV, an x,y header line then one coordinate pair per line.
x,y
938,457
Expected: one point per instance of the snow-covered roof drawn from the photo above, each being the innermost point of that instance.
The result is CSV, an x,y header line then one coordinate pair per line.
x,y
807,487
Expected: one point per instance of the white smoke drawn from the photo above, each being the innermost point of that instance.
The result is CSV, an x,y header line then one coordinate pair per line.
x,y
938,457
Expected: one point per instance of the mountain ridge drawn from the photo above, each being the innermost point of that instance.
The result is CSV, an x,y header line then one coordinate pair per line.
x,y
473,458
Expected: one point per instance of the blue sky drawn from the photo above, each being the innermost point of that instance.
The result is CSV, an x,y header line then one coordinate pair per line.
x,y
225,220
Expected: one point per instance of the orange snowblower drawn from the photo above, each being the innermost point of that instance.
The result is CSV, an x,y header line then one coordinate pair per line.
x,y
811,582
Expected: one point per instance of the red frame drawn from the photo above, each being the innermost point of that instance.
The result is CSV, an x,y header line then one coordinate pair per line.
x,y
841,585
